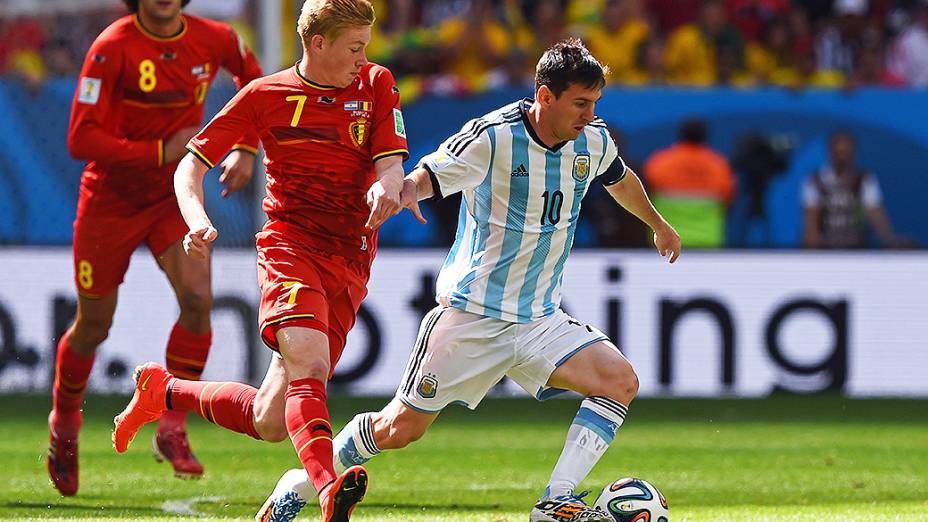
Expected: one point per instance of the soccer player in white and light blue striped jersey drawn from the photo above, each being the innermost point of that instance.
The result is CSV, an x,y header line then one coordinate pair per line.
x,y
523,171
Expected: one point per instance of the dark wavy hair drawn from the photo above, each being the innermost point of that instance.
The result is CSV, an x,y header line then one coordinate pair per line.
x,y
133,5
568,62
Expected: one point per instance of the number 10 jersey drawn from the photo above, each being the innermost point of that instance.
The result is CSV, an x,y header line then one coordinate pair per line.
x,y
519,210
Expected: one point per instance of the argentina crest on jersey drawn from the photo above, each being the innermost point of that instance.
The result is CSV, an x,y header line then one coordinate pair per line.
x,y
581,168
428,386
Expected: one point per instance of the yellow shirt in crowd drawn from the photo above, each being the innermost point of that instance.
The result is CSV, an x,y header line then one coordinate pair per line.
x,y
689,57
618,49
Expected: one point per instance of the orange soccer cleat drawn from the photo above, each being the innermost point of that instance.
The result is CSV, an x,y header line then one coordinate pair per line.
x,y
147,404
340,499
62,452
173,446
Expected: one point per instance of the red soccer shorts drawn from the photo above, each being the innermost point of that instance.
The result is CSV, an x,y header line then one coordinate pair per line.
x,y
301,287
104,242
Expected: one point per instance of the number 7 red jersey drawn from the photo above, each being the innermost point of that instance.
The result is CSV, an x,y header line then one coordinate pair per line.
x,y
135,90
321,144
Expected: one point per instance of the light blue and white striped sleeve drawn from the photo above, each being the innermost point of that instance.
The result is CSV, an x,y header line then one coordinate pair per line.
x,y
461,162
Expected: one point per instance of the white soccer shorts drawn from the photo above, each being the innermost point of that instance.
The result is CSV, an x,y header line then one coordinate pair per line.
x,y
459,356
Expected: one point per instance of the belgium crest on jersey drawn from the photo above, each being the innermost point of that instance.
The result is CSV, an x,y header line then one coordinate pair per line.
x,y
358,131
581,167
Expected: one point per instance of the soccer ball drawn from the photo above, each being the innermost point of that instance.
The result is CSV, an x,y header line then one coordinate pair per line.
x,y
633,500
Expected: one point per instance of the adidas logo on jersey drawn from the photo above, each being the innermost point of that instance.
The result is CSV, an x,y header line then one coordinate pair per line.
x,y
520,171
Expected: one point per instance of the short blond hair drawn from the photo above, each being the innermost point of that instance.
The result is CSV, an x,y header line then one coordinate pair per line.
x,y
330,17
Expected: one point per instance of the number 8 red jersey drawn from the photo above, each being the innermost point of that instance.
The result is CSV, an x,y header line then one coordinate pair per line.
x,y
321,143
135,90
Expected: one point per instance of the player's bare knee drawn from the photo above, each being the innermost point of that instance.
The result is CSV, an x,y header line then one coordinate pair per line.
x,y
630,383
312,367
90,333
195,302
619,382
623,383
270,429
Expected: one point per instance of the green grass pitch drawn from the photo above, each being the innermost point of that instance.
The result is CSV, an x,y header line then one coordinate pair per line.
x,y
781,459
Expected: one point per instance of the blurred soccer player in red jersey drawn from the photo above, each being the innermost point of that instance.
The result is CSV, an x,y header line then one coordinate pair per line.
x,y
335,142
139,99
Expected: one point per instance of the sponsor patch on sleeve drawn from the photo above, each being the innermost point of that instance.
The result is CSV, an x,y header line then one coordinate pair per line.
x,y
398,126
440,160
89,90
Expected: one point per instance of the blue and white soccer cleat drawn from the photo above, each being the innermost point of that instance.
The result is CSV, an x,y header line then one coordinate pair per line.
x,y
292,488
567,508
281,509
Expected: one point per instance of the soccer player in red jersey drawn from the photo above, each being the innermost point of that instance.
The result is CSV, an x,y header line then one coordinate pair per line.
x,y
139,100
335,141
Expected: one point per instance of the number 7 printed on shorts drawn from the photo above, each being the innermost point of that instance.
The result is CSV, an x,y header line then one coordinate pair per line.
x,y
294,287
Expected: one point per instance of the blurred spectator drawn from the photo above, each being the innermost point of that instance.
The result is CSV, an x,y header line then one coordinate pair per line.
x,y
474,43
774,52
515,72
547,25
800,30
691,49
648,68
398,42
757,159
21,43
434,12
671,14
870,71
840,36
909,57
729,69
581,14
615,39
60,59
692,186
751,17
806,74
840,199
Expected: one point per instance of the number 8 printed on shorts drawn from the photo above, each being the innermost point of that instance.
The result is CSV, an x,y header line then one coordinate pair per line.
x,y
85,274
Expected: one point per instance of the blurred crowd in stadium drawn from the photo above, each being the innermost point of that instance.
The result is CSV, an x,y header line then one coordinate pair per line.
x,y
463,46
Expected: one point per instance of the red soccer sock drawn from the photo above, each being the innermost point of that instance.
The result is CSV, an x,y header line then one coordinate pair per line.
x,y
310,430
227,404
71,375
186,358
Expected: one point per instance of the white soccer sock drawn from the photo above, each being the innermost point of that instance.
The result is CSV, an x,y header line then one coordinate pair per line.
x,y
295,480
355,443
588,438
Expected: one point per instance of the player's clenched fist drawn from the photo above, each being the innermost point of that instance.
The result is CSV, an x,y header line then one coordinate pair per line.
x,y
197,242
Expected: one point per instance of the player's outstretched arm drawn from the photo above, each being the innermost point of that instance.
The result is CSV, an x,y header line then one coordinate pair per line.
x,y
188,188
630,193
416,187
383,197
